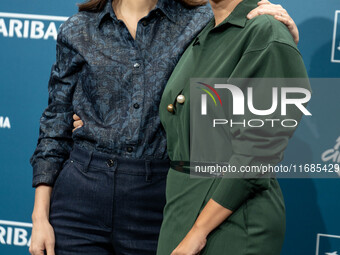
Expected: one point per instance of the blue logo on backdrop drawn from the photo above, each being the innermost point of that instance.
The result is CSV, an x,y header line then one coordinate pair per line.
x,y
332,155
327,244
29,26
336,39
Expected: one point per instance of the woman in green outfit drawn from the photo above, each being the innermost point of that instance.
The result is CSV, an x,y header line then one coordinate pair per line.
x,y
234,216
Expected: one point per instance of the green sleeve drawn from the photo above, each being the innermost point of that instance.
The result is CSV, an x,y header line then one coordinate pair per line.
x,y
264,146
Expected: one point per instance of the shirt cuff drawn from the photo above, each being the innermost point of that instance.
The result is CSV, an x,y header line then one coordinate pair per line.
x,y
232,193
45,172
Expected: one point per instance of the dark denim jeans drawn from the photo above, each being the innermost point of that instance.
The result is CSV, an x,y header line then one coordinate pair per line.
x,y
102,204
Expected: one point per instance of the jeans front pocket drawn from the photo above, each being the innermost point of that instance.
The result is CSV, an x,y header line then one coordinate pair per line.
x,y
59,179
84,196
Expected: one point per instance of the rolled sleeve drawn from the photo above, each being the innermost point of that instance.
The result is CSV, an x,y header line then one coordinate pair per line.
x,y
55,134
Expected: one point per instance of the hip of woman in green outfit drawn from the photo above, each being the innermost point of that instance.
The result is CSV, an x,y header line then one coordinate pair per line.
x,y
235,216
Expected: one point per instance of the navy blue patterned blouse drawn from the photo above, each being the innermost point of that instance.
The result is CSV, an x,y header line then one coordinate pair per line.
x,y
114,83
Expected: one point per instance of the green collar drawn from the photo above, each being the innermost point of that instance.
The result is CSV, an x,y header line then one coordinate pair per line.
x,y
238,17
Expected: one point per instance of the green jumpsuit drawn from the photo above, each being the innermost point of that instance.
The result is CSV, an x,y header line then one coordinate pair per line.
x,y
236,48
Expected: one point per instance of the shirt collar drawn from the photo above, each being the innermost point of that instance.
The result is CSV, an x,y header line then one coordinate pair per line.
x,y
238,17
106,12
168,7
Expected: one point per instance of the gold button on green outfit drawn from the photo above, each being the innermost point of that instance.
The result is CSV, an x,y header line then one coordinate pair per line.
x,y
170,108
236,48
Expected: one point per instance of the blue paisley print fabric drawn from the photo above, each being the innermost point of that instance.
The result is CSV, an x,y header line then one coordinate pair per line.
x,y
114,83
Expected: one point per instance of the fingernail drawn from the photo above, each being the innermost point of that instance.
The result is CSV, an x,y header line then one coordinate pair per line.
x,y
249,16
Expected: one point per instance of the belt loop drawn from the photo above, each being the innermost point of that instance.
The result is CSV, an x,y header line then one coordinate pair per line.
x,y
147,170
87,162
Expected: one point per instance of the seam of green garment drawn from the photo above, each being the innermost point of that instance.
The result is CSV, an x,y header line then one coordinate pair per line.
x,y
219,198
269,44
273,34
273,38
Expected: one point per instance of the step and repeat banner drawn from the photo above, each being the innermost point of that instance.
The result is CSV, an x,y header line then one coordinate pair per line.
x,y
28,31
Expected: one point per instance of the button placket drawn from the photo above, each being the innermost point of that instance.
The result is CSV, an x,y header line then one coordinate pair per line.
x,y
137,98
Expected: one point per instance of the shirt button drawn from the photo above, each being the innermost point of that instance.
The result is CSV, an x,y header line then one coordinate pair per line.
x,y
170,108
136,106
136,65
129,149
181,99
110,162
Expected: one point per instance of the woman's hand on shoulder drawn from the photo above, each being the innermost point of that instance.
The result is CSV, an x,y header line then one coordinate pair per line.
x,y
279,13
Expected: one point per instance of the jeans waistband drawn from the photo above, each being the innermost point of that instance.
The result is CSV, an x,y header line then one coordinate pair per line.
x,y
112,162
